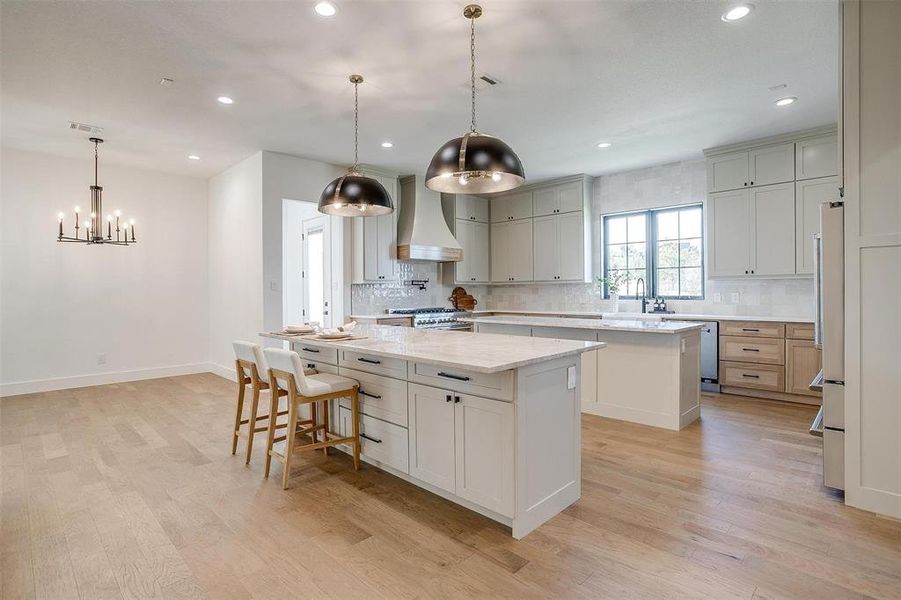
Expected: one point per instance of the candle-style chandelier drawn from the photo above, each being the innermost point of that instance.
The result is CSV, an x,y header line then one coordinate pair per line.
x,y
93,228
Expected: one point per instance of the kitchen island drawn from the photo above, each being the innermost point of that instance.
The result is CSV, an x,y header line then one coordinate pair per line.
x,y
649,373
491,422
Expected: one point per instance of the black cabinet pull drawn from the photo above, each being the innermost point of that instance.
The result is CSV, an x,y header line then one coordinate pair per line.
x,y
750,376
310,350
752,183
456,399
370,361
451,376
750,349
749,329
371,439
447,398
376,396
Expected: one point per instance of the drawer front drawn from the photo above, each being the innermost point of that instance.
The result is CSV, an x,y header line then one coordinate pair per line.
x,y
799,331
397,321
317,353
380,365
380,397
758,377
489,385
752,329
320,367
379,440
754,350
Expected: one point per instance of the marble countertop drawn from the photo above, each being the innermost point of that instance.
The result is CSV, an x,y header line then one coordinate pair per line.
x,y
632,326
665,316
479,352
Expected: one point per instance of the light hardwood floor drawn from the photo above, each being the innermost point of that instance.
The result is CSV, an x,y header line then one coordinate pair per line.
x,y
130,491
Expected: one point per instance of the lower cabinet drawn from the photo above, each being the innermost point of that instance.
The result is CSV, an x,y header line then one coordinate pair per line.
x,y
384,442
803,361
463,444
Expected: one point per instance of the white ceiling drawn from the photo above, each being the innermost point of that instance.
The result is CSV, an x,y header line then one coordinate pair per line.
x,y
660,80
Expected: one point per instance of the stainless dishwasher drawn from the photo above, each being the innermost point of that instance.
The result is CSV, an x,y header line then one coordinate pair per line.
x,y
710,354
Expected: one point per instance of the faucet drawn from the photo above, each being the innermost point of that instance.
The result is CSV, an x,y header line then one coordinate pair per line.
x,y
644,306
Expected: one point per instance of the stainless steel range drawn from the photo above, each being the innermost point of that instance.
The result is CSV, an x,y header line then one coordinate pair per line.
x,y
435,318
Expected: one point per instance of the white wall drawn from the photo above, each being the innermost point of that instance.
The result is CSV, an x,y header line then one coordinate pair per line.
x,y
235,260
61,305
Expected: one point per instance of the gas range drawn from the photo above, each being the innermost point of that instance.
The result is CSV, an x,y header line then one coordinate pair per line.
x,y
434,317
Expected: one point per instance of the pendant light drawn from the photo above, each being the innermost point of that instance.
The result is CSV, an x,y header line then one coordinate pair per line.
x,y
354,194
475,163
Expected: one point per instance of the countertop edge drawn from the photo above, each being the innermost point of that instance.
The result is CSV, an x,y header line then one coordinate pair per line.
x,y
608,325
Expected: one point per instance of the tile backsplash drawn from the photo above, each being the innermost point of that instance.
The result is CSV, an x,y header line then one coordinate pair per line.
x,y
376,298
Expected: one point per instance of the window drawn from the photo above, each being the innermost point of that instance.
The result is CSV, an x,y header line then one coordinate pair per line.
x,y
664,247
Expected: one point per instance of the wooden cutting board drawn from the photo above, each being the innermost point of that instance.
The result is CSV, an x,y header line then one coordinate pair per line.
x,y
461,300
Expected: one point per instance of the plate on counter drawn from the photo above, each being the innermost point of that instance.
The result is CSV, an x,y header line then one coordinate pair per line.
x,y
341,335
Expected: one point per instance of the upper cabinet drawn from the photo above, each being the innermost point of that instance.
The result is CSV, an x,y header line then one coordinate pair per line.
x,y
759,166
471,208
511,206
375,239
809,195
557,242
727,172
817,157
558,199
467,218
511,251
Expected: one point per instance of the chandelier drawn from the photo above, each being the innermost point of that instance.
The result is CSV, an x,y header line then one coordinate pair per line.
x,y
93,228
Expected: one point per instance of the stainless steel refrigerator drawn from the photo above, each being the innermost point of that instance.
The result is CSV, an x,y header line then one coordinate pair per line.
x,y
829,277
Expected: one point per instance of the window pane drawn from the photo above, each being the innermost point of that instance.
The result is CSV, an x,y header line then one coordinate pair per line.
x,y
637,229
668,254
616,257
637,256
690,223
616,230
667,282
691,282
619,275
668,225
634,275
690,253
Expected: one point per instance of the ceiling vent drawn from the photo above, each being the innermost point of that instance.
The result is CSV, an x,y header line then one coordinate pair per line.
x,y
85,128
489,79
485,81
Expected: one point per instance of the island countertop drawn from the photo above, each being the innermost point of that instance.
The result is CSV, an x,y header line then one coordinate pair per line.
x,y
632,326
479,352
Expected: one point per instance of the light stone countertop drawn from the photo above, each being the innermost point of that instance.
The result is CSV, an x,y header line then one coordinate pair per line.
x,y
479,352
665,316
631,326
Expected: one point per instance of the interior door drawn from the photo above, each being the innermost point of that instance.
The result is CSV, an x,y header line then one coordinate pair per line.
x,y
317,279
431,431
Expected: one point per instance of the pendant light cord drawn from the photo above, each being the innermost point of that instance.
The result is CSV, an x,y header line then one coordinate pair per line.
x,y
356,124
95,163
472,63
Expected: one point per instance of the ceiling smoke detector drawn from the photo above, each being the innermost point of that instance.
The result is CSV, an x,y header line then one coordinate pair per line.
x,y
85,128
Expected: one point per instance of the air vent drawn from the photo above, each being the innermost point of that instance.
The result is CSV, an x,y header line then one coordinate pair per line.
x,y
85,128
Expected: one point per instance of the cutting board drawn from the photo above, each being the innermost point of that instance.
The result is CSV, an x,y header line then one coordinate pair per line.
x,y
461,300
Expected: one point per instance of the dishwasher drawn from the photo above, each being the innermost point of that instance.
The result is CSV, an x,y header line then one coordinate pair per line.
x,y
710,381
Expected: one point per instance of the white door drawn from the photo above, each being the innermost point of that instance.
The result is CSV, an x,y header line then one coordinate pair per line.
x,y
431,430
570,232
545,248
727,172
773,230
519,250
808,197
317,280
772,164
484,452
500,258
728,233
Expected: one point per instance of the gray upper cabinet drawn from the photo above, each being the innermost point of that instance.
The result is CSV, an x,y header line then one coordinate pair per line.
x,y
467,218
817,157
511,206
471,208
727,172
809,194
771,164
565,198
375,239
728,234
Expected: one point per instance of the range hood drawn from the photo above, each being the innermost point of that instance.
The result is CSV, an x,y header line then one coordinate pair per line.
x,y
422,232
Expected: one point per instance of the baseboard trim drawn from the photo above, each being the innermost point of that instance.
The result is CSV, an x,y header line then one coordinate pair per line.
x,y
221,371
64,383
767,395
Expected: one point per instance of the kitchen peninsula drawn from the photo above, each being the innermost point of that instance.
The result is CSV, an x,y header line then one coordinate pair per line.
x,y
491,422
648,374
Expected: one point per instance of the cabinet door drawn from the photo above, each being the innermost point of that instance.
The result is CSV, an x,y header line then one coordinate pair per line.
x,y
727,172
431,430
478,264
471,208
773,230
499,208
728,228
570,232
484,452
570,197
500,253
544,202
802,363
370,248
817,157
772,164
463,233
546,248
808,197
520,205
387,245
519,250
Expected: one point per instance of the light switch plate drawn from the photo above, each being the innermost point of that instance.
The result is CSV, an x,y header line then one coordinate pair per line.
x,y
571,378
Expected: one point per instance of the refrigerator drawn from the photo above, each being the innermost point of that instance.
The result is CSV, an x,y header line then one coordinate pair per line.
x,y
829,336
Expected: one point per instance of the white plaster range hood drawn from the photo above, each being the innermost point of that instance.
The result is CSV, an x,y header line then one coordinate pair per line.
x,y
422,232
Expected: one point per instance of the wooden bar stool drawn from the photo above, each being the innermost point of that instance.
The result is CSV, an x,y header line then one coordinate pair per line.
x,y
252,370
286,373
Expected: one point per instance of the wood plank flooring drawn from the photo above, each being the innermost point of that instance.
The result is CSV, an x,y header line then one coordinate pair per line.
x,y
130,491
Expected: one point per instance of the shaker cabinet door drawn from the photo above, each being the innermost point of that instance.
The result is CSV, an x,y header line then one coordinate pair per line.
x,y
484,452
773,227
727,172
545,248
772,164
571,249
808,197
728,233
431,430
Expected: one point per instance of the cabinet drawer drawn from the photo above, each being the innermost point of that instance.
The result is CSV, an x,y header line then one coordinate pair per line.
x,y
319,366
489,385
799,331
754,350
758,377
316,353
752,329
384,442
380,365
381,397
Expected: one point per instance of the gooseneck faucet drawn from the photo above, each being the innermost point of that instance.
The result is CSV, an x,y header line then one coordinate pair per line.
x,y
644,306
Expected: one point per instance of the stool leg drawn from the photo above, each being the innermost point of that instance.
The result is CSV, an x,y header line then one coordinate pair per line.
x,y
314,434
238,414
290,435
325,410
254,406
355,417
270,435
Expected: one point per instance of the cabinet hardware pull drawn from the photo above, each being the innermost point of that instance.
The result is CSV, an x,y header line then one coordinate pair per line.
x,y
311,365
752,183
370,361
749,329
750,349
376,396
447,398
750,376
371,439
451,376
456,399
305,349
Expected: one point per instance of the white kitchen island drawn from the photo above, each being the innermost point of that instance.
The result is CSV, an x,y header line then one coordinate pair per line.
x,y
491,422
649,373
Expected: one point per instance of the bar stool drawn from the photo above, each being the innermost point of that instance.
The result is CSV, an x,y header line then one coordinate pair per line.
x,y
286,373
252,370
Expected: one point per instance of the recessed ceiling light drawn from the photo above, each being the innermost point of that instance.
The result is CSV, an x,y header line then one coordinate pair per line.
x,y
604,145
739,12
325,9
225,100
387,145
785,101
193,157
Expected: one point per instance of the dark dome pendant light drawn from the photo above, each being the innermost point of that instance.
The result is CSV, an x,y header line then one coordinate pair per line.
x,y
474,163
354,194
